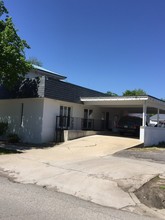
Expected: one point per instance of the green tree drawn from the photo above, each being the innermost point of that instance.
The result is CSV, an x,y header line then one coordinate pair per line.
x,y
13,64
135,92
35,61
111,93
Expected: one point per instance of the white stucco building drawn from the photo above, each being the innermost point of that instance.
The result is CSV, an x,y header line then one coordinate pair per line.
x,y
46,108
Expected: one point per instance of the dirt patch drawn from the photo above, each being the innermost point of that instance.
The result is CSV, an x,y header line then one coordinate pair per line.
x,y
152,194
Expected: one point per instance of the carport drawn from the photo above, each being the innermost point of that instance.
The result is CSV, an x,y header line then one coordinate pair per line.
x,y
146,105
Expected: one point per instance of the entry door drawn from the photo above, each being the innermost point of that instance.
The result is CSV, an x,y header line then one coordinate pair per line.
x,y
107,120
87,121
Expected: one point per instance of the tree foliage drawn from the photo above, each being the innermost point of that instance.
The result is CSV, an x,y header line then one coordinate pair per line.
x,y
35,61
135,92
13,64
111,93
27,88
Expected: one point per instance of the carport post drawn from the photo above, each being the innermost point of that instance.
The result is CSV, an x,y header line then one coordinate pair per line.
x,y
157,116
144,114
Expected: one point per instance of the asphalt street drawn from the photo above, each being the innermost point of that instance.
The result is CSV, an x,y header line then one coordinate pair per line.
x,y
27,201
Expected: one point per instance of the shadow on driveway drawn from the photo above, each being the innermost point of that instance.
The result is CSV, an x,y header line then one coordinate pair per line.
x,y
20,147
139,152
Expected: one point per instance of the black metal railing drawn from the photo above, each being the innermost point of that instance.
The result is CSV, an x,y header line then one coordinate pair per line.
x,y
76,123
64,122
87,124
70,123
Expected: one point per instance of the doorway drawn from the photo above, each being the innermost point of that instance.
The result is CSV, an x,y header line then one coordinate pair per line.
x,y
107,120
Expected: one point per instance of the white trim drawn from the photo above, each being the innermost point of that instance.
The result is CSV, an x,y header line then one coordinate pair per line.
x,y
100,99
124,101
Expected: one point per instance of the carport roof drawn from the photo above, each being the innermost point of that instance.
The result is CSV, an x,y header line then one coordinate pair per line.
x,y
125,101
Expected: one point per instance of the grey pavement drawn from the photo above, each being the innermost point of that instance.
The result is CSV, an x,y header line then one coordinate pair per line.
x,y
86,168
144,154
24,202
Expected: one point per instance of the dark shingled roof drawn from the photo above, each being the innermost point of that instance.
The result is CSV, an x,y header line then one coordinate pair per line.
x,y
52,88
60,90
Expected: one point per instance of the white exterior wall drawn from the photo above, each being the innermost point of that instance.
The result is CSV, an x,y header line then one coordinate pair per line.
x,y
142,134
32,74
78,114
96,116
29,129
114,116
50,111
153,135
39,117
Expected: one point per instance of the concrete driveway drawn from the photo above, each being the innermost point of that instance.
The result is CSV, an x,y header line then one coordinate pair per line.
x,y
86,168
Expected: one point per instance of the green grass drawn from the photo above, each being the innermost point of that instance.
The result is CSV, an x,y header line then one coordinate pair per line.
x,y
151,148
6,151
160,146
162,187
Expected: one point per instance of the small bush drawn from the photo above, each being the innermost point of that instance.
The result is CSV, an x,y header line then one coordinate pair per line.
x,y
7,151
161,144
3,128
13,138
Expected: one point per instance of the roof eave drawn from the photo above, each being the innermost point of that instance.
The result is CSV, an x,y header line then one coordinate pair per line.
x,y
115,98
49,73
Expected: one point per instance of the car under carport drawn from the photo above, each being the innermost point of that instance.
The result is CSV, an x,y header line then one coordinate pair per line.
x,y
133,104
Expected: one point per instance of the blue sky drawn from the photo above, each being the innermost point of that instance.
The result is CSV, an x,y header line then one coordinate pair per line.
x,y
106,45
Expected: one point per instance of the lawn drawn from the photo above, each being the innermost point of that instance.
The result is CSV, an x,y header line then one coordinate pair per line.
x,y
158,147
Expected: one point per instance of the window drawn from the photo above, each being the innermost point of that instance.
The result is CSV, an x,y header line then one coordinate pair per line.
x,y
85,113
61,110
88,121
65,113
88,113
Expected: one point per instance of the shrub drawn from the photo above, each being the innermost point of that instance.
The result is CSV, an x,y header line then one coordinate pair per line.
x,y
3,128
13,138
161,144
